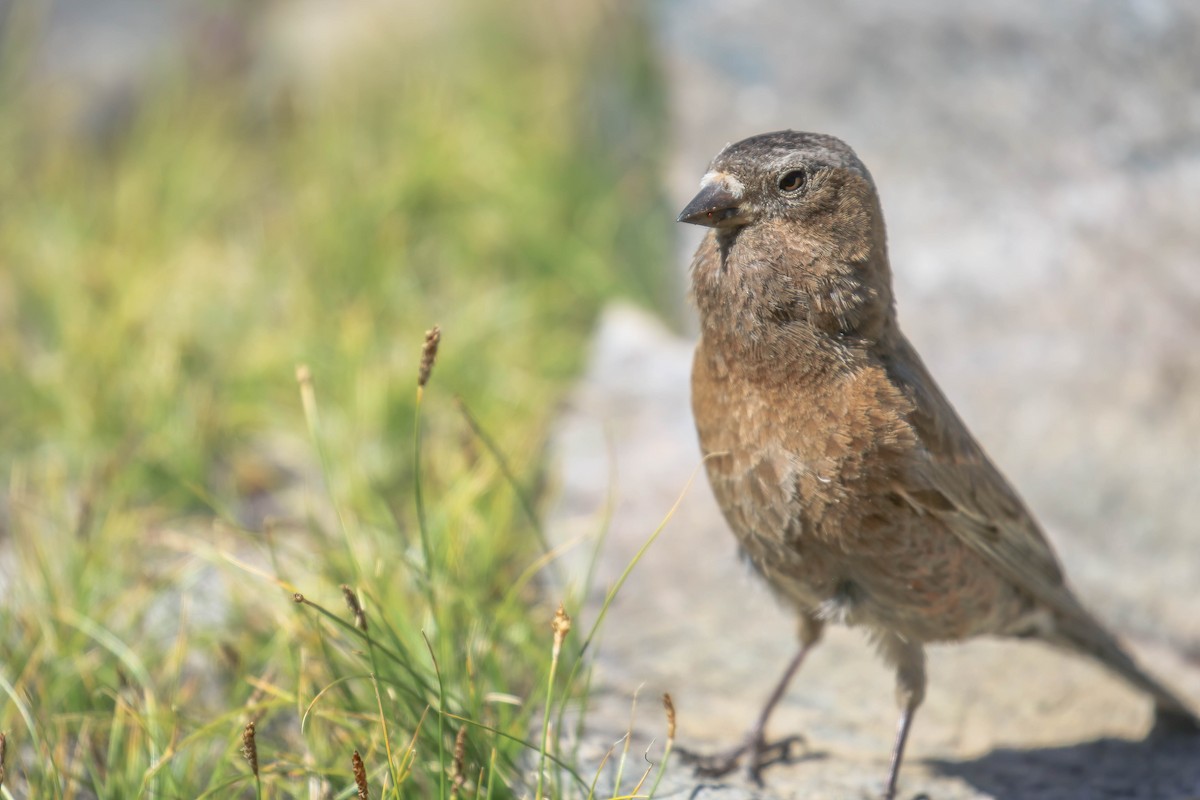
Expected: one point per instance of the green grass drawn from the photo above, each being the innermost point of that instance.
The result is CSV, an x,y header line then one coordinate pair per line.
x,y
168,485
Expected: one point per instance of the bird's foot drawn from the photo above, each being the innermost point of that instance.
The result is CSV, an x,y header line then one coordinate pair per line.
x,y
756,751
1175,722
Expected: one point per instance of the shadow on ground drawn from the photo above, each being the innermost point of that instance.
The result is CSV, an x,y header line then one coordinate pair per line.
x,y
1156,768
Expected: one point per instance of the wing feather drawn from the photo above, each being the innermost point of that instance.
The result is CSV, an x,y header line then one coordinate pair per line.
x,y
951,477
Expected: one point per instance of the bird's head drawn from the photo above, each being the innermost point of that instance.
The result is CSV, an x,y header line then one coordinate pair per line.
x,y
798,238
803,183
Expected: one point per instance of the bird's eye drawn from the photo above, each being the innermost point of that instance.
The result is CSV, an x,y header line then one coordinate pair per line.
x,y
793,180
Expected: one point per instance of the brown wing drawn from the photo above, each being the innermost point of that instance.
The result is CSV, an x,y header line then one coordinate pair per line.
x,y
951,477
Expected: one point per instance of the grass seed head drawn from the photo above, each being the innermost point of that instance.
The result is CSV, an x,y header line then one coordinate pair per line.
x,y
250,747
458,777
360,777
428,354
360,616
669,706
561,626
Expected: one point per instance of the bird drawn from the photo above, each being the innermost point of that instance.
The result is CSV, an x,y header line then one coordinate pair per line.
x,y
851,484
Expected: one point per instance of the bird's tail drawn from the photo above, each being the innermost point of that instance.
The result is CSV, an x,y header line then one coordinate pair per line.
x,y
1085,635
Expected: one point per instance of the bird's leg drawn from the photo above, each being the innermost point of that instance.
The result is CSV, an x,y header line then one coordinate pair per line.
x,y
909,659
760,753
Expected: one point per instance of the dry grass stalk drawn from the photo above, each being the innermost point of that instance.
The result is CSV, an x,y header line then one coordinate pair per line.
x,y
561,625
308,396
457,775
669,705
3,753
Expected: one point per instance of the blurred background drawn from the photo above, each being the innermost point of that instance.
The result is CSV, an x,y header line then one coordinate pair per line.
x,y
198,197
201,195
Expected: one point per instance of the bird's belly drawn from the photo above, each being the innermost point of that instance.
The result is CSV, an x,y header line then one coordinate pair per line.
x,y
907,575
819,521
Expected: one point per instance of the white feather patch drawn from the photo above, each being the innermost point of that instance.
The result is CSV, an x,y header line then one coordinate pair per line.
x,y
732,184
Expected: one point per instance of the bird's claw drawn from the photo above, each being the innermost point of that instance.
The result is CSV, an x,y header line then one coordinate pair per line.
x,y
757,751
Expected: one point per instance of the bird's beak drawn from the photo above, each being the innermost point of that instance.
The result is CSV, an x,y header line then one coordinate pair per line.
x,y
716,206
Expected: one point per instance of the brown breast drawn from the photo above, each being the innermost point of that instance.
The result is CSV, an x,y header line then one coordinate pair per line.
x,y
804,474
